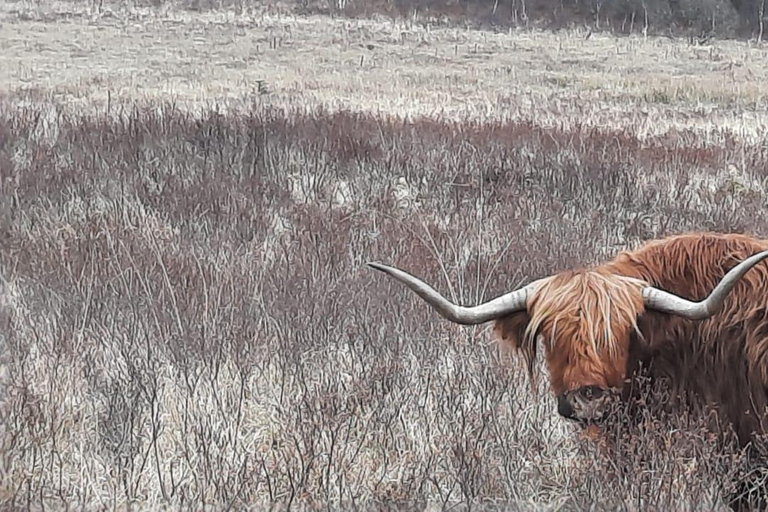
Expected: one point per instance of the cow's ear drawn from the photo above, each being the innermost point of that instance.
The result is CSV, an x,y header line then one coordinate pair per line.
x,y
656,328
511,331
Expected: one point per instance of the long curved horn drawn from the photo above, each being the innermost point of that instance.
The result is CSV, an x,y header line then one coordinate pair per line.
x,y
666,302
491,310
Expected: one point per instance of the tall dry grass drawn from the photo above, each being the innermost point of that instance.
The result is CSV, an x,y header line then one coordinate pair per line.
x,y
187,320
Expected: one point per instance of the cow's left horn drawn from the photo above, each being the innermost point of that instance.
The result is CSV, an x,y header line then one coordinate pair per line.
x,y
666,302
491,310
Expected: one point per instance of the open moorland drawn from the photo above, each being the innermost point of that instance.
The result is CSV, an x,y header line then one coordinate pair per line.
x,y
187,204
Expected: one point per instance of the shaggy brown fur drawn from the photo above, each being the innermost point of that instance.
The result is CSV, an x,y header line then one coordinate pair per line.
x,y
596,331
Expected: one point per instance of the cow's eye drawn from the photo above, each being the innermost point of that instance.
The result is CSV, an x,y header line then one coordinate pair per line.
x,y
591,392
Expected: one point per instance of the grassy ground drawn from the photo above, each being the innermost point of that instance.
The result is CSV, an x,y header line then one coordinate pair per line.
x,y
186,318
78,56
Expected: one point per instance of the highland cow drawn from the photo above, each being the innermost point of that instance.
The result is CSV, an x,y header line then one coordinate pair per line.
x,y
691,309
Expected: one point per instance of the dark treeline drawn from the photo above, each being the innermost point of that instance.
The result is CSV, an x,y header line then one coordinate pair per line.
x,y
722,18
719,18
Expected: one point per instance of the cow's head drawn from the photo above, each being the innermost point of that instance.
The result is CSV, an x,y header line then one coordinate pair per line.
x,y
584,319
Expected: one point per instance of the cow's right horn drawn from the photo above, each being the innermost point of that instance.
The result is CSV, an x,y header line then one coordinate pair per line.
x,y
491,310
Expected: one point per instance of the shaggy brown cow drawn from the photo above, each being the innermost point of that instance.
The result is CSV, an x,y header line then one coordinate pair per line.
x,y
692,308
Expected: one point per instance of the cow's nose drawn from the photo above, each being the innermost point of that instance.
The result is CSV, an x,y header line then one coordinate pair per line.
x,y
564,407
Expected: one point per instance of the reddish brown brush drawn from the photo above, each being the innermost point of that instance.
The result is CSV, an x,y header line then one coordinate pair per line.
x,y
186,319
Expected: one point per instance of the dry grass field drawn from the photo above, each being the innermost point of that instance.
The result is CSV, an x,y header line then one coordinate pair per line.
x,y
78,57
186,318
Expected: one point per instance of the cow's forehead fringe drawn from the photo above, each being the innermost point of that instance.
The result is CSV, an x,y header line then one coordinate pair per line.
x,y
587,306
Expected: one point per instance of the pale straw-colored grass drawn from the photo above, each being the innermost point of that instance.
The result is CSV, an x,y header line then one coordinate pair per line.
x,y
646,85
